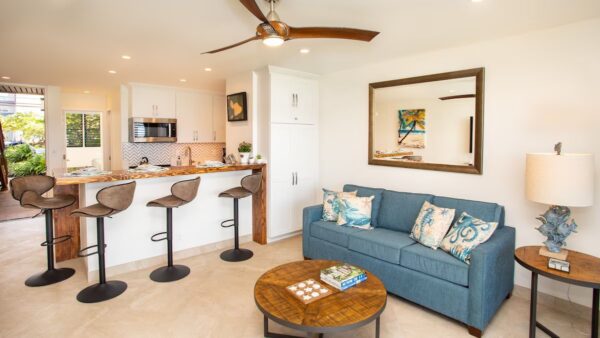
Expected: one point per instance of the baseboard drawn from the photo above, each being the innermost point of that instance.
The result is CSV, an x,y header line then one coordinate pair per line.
x,y
157,261
278,238
558,304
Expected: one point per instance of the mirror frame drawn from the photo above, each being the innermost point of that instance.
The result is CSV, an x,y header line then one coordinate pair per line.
x,y
477,168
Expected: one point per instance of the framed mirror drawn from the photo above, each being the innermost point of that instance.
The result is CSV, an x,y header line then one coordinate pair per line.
x,y
432,122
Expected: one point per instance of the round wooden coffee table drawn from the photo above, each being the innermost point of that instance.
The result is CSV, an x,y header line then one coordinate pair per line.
x,y
585,271
340,311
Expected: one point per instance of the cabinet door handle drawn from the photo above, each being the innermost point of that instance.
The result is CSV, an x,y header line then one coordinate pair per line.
x,y
296,178
297,100
292,178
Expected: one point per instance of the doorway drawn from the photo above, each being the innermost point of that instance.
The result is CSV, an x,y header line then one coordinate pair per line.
x,y
23,143
83,130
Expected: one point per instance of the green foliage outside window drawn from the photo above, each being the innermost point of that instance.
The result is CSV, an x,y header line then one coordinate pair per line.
x,y
83,130
23,161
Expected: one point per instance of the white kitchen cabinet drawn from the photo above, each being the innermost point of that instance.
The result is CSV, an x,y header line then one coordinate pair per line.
x,y
294,99
219,117
293,175
194,117
152,101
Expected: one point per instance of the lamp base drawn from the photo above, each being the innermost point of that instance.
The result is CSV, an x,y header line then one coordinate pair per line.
x,y
562,255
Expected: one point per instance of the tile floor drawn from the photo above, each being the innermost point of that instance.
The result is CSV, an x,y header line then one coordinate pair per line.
x,y
216,300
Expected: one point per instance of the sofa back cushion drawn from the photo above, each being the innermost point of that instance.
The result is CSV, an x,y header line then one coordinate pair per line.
x,y
366,192
399,210
489,212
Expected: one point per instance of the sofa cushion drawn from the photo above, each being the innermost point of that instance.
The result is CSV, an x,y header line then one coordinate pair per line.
x,y
399,210
332,233
380,243
366,192
436,263
489,212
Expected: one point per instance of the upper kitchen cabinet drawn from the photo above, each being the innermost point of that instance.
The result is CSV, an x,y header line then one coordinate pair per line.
x,y
194,117
294,99
152,101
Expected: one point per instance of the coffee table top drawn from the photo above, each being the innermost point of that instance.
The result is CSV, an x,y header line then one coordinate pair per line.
x,y
585,269
341,310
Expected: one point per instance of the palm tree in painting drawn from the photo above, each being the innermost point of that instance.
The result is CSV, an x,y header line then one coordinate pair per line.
x,y
409,121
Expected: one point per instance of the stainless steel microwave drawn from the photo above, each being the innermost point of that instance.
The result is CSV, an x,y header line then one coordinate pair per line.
x,y
148,130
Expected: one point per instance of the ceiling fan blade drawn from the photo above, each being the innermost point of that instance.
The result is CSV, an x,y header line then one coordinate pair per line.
x,y
331,33
254,9
234,45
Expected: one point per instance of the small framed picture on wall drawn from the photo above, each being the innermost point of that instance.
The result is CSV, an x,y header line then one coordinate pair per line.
x,y
237,109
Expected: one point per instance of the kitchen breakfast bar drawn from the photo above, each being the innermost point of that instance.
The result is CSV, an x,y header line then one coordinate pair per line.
x,y
195,225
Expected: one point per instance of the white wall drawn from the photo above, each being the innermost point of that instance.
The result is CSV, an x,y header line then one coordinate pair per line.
x,y
541,88
55,142
240,131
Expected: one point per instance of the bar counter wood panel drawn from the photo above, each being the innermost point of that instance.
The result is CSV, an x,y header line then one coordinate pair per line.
x,y
65,224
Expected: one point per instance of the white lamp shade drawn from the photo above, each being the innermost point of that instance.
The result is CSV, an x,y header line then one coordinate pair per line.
x,y
566,180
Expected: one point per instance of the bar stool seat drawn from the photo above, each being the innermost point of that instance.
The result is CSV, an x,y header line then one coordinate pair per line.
x,y
182,193
238,192
28,191
111,201
250,185
33,200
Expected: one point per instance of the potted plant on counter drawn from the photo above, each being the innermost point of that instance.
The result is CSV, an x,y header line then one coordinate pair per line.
x,y
260,159
245,149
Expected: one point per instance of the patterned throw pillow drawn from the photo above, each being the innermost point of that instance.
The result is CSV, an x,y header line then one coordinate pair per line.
x,y
330,208
466,234
432,225
355,211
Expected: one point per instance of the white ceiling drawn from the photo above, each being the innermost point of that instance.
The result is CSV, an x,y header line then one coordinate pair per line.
x,y
73,43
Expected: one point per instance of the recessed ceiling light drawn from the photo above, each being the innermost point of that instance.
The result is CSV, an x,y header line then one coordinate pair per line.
x,y
304,50
125,57
208,69
476,0
6,77
112,72
452,90
86,92
182,80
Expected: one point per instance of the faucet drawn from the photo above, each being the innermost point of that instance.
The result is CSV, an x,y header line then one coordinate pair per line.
x,y
188,153
144,160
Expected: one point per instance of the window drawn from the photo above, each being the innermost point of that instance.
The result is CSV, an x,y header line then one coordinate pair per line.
x,y
83,130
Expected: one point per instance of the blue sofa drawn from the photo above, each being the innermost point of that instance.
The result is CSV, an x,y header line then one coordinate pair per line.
x,y
471,294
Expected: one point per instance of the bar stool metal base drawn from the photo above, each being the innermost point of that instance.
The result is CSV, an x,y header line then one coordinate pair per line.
x,y
167,274
101,291
49,277
236,255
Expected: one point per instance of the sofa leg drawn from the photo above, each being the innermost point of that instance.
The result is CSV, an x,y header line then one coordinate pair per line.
x,y
306,258
473,331
509,295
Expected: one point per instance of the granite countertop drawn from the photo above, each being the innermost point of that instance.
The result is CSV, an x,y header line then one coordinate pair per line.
x,y
123,175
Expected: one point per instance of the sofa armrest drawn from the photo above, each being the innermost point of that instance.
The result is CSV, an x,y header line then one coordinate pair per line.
x,y
491,276
309,215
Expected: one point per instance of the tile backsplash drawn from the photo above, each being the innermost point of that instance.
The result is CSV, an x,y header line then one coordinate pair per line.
x,y
161,153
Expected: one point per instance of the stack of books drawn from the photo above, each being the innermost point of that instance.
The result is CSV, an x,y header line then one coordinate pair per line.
x,y
343,276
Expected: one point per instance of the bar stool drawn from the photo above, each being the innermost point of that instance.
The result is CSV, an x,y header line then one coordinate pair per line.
x,y
250,185
181,193
111,201
28,191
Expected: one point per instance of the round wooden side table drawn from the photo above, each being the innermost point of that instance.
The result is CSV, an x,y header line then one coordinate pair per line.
x,y
340,311
585,271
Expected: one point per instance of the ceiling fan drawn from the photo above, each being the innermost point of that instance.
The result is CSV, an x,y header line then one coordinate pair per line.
x,y
273,32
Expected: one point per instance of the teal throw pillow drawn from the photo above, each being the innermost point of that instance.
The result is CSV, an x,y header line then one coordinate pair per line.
x,y
465,235
330,207
355,211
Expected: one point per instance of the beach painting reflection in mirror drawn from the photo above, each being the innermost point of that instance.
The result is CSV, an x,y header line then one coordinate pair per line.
x,y
412,128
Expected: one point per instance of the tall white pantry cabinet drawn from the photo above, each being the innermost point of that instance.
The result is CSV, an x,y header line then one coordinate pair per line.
x,y
289,104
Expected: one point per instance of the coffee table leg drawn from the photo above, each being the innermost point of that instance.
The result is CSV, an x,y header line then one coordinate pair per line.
x,y
377,327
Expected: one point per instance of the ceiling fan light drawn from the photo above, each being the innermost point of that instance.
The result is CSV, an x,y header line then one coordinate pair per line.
x,y
273,41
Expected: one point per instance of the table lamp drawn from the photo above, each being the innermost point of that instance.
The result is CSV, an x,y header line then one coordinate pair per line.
x,y
561,181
